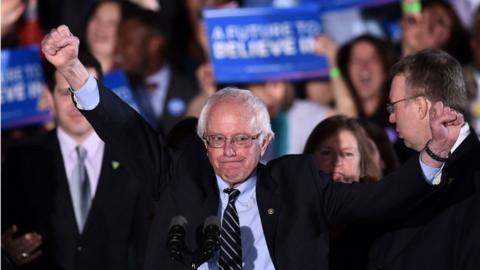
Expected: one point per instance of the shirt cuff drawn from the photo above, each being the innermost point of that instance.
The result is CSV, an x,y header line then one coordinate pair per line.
x,y
432,175
87,97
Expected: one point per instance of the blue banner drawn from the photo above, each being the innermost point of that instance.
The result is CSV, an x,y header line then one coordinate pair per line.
x,y
260,44
22,85
117,81
329,5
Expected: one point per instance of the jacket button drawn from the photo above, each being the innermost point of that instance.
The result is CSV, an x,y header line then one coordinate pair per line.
x,y
79,249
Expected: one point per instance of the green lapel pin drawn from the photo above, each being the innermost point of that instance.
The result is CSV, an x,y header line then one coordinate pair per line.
x,y
115,164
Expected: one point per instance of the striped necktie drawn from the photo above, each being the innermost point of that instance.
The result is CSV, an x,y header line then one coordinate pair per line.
x,y
230,241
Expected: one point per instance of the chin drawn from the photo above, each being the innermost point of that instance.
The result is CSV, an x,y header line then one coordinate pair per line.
x,y
232,181
233,176
410,145
344,180
81,130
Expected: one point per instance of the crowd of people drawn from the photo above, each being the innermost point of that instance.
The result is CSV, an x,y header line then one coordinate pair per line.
x,y
373,167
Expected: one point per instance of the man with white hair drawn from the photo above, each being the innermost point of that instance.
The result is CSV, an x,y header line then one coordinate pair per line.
x,y
274,216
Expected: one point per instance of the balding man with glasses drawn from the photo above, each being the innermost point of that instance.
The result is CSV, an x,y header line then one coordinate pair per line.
x,y
273,216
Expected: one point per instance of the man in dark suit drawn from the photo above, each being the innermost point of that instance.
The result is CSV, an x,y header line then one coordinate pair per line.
x,y
143,46
40,205
274,216
443,232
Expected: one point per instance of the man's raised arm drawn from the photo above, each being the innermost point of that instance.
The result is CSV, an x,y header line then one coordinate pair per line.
x,y
60,47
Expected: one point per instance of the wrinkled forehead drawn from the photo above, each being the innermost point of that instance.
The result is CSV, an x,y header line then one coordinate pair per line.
x,y
231,114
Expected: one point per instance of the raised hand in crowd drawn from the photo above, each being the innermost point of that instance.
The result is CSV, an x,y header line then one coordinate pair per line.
x,y
207,86
344,103
416,35
435,24
12,11
60,48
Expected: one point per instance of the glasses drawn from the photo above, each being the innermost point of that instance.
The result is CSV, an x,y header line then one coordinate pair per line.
x,y
239,140
391,106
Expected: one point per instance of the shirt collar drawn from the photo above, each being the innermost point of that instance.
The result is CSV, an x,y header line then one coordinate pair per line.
x,y
247,188
67,144
161,76
464,132
92,144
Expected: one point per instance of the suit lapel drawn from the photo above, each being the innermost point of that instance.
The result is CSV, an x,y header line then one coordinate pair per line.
x,y
63,196
268,200
211,196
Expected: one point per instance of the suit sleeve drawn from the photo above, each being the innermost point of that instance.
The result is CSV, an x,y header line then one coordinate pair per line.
x,y
141,148
390,198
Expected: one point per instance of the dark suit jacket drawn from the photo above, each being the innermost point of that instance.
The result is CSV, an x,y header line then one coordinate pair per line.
x,y
36,197
444,231
304,201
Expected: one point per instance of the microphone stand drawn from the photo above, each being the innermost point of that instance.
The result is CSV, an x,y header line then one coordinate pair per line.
x,y
210,242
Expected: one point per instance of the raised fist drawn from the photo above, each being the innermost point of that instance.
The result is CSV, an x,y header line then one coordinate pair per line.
x,y
60,47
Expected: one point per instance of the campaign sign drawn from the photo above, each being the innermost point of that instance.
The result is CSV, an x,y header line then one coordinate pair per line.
x,y
260,44
117,81
329,5
22,85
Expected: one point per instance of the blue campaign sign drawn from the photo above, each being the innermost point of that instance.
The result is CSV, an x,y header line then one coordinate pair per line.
x,y
117,81
22,85
259,44
329,5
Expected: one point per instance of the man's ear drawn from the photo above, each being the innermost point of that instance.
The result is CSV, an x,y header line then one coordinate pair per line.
x,y
423,106
46,102
264,144
205,143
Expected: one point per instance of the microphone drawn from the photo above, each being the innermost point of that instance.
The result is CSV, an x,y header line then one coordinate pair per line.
x,y
176,237
210,240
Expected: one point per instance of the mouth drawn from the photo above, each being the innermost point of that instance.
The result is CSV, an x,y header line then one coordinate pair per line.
x,y
230,163
338,175
100,38
365,76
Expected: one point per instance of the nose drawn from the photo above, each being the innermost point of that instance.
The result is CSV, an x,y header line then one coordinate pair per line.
x,y
364,65
229,149
337,160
